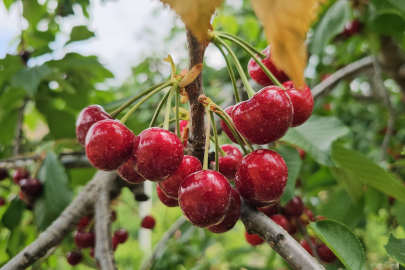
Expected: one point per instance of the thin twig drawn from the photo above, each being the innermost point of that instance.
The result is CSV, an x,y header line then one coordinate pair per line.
x,y
304,232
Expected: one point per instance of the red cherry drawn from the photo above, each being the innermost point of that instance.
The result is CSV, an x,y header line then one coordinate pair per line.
x,y
326,254
115,242
262,177
171,185
269,210
183,124
320,218
264,118
253,239
301,152
226,129
2,201
128,173
169,202
113,215
258,75
294,208
31,188
109,145
204,198
307,217
231,217
121,235
157,154
3,174
229,163
352,27
19,174
83,222
302,101
74,257
148,222
282,221
92,251
306,245
84,239
88,117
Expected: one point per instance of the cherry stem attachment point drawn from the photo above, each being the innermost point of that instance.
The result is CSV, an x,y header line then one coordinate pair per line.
x,y
168,106
207,139
214,130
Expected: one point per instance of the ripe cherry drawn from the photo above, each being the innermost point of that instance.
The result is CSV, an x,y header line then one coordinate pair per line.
x,y
157,154
307,217
302,101
83,222
264,118
294,208
2,201
226,129
74,257
306,245
169,202
3,173
258,75
84,239
262,177
109,145
282,221
31,188
326,254
183,124
231,217
171,185
352,28
229,163
20,173
121,235
269,210
204,198
301,152
253,239
128,173
148,222
115,242
113,215
88,117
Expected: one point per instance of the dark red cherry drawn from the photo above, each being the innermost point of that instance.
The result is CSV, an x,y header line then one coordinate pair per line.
x,y
226,129
326,254
169,202
183,124
2,201
282,221
171,185
92,251
269,210
83,222
229,163
121,235
302,101
307,217
31,188
88,117
20,173
306,245
157,154
352,27
148,222
74,257
262,177
3,173
231,217
294,207
301,152
84,239
113,215
115,242
258,75
204,198
253,239
264,118
128,173
109,145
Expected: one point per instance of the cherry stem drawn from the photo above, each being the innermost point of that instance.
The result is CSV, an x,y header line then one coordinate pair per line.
x,y
236,135
178,114
304,232
133,109
158,109
214,130
238,39
219,42
170,121
207,139
231,74
223,153
169,105
132,100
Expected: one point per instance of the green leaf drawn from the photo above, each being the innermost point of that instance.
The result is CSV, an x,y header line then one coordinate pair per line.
x,y
316,137
396,248
342,241
375,200
400,4
368,172
293,160
80,33
29,78
7,3
56,193
15,241
12,217
389,24
332,23
353,186
398,211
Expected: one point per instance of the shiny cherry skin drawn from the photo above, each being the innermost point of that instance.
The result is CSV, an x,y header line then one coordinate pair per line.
x,y
83,222
282,221
128,173
226,129
171,185
326,255
204,198
148,222
31,188
302,101
253,239
121,235
109,145
306,245
20,173
262,177
270,210
183,124
229,163
169,202
84,239
258,75
74,257
352,28
294,207
264,118
3,174
157,154
231,217
88,117
2,201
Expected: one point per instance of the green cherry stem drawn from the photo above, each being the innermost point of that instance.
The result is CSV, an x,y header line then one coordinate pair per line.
x,y
207,139
178,114
223,153
169,105
158,109
230,37
235,134
214,130
231,74
132,100
137,105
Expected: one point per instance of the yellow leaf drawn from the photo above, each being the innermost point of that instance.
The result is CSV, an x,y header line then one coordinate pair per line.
x,y
196,14
286,23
